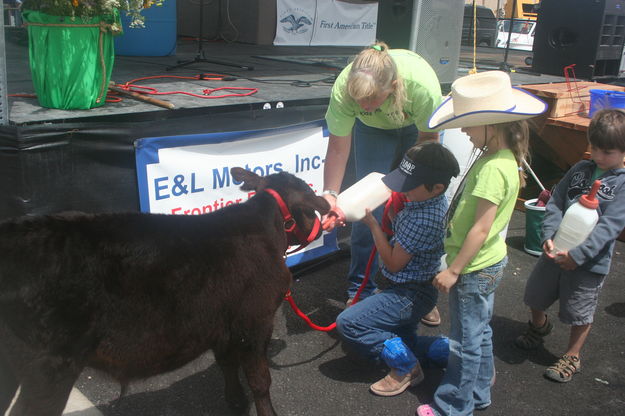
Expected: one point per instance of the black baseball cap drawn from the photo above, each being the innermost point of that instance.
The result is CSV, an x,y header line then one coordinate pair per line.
x,y
410,175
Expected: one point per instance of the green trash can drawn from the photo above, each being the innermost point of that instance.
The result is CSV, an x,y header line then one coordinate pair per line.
x,y
533,221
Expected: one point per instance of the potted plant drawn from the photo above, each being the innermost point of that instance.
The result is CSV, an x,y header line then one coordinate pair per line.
x,y
71,47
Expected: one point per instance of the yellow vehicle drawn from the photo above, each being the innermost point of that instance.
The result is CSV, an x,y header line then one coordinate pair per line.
x,y
523,9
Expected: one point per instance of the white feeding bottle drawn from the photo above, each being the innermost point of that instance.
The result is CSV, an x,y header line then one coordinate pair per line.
x,y
368,193
578,221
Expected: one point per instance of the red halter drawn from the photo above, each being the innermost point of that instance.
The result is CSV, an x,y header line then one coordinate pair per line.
x,y
397,201
290,225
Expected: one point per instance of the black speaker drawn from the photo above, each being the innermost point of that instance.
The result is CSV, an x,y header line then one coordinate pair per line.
x,y
587,33
431,28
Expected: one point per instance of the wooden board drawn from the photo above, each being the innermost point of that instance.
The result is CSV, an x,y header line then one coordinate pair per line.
x,y
568,99
564,90
573,122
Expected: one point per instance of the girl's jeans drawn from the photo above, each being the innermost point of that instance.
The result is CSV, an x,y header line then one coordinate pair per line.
x,y
375,150
394,312
467,380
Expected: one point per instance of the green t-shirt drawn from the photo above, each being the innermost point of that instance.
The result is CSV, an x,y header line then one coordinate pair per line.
x,y
598,172
423,93
496,179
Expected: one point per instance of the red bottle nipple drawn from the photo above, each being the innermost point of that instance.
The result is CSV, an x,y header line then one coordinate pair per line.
x,y
589,201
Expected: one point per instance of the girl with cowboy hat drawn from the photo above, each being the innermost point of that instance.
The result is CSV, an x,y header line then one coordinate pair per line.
x,y
492,113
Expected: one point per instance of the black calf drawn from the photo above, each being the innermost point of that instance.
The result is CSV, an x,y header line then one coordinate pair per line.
x,y
138,294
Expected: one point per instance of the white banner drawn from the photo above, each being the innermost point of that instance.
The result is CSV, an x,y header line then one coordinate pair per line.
x,y
325,22
190,175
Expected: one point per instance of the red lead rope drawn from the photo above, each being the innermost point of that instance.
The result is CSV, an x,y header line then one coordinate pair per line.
x,y
207,93
397,201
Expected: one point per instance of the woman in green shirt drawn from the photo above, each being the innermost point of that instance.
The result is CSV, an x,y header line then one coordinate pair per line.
x,y
384,98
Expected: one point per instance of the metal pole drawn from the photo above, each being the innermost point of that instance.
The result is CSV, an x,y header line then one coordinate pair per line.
x,y
504,65
4,102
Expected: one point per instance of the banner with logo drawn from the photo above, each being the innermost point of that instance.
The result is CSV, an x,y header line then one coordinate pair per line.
x,y
190,175
325,22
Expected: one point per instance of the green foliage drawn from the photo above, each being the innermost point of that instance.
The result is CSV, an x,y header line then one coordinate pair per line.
x,y
90,8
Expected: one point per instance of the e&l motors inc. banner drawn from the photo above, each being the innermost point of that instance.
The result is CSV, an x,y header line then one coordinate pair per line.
x,y
325,22
190,175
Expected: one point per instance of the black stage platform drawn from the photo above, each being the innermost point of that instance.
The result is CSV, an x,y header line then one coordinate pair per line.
x,y
281,73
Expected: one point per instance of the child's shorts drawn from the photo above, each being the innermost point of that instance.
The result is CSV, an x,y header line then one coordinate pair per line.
x,y
578,291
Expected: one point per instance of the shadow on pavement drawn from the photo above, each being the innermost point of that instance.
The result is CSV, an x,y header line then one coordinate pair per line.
x,y
616,309
193,395
506,330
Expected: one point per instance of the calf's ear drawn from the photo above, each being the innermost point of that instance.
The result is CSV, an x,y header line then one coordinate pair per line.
x,y
251,181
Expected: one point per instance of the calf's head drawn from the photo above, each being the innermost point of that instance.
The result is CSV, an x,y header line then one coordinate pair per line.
x,y
300,200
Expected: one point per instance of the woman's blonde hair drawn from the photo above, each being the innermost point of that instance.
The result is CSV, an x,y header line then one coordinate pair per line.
x,y
516,134
373,72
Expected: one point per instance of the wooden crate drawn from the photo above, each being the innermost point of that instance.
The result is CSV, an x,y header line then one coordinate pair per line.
x,y
568,99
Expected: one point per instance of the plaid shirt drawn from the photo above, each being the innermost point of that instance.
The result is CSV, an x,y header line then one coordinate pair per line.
x,y
420,230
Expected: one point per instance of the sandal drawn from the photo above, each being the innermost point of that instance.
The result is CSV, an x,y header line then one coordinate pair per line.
x,y
425,410
533,337
562,371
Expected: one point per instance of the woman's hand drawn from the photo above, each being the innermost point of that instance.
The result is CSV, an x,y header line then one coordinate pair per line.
x,y
445,280
334,217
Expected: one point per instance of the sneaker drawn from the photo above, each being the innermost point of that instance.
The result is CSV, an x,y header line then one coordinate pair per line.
x,y
432,318
394,383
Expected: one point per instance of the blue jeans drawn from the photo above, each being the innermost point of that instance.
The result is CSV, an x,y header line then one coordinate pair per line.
x,y
375,150
394,312
466,383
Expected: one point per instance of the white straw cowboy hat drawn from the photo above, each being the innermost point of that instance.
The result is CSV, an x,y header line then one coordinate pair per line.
x,y
485,98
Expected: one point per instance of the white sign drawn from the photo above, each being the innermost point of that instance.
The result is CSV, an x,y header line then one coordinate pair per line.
x,y
190,175
325,22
